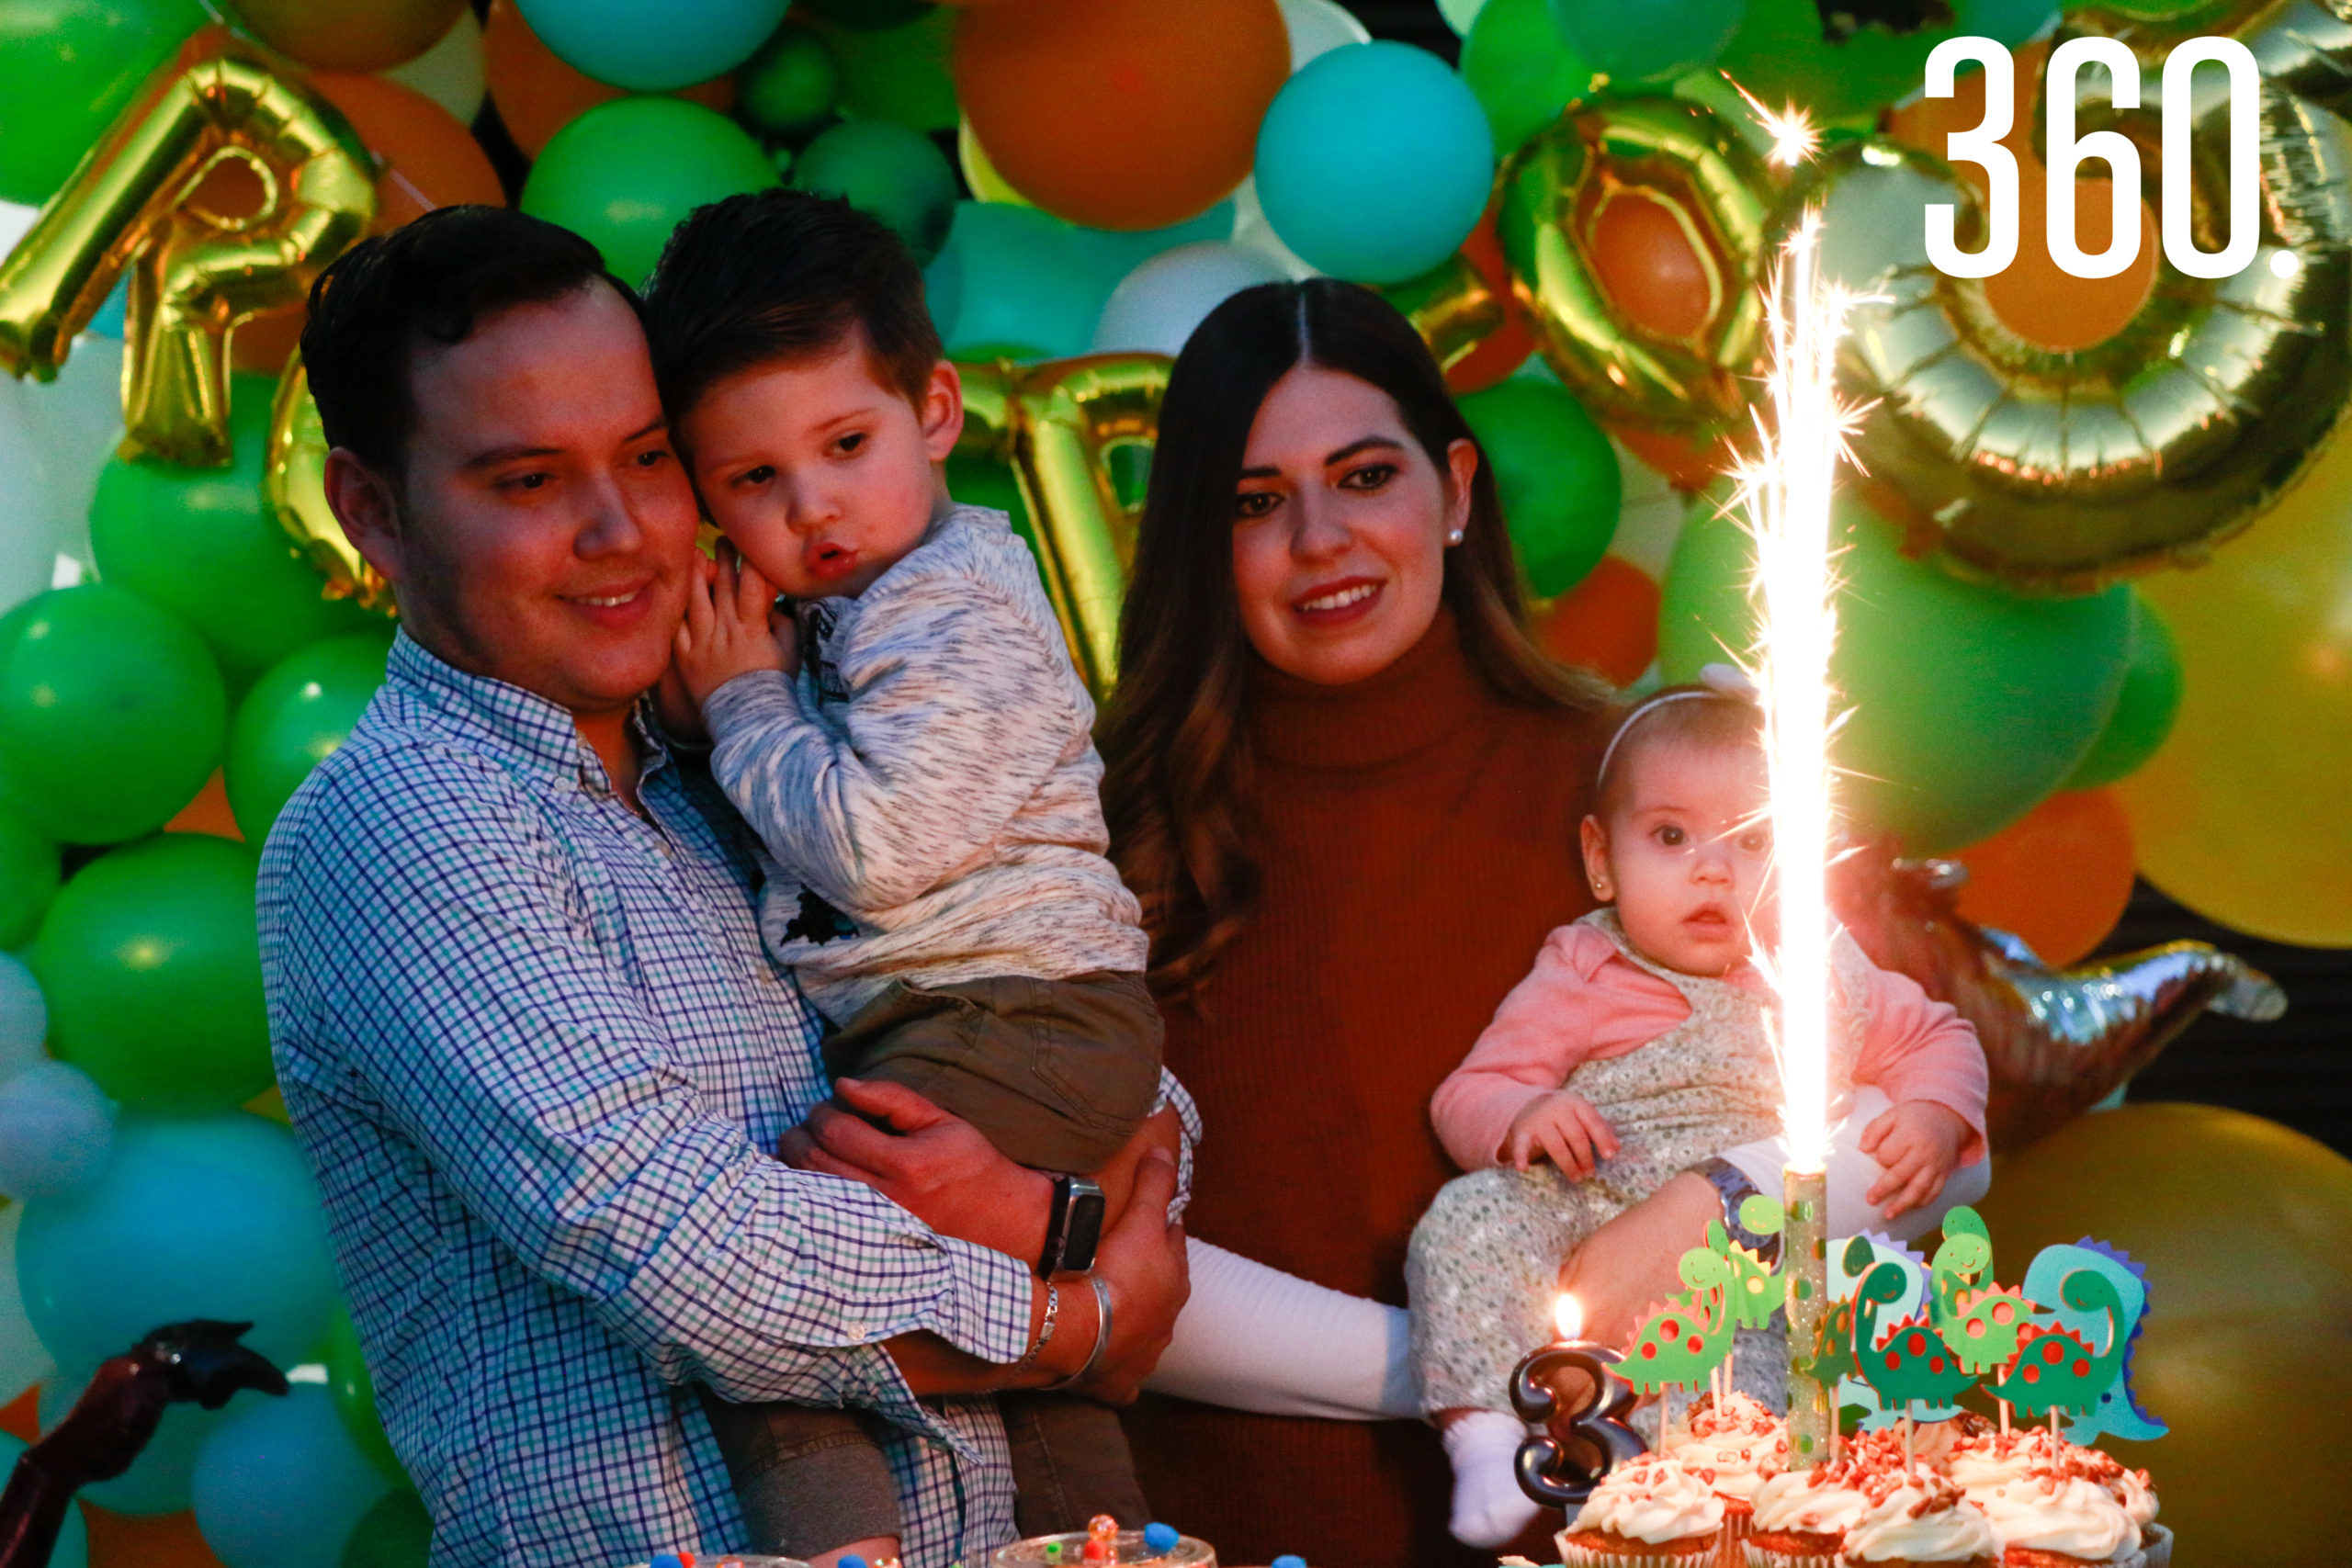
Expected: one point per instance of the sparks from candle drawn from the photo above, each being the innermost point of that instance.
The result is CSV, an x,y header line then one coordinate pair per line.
x,y
1785,491
1568,1316
1795,139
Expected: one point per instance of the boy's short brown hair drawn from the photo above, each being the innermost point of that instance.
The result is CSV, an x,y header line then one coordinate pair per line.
x,y
781,275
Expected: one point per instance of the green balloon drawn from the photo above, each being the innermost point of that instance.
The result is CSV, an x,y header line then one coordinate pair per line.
x,y
202,542
112,715
67,69
898,73
1781,55
293,718
978,481
1555,473
624,173
891,172
2144,714
1970,704
396,1533
150,962
355,1393
790,85
1520,70
30,869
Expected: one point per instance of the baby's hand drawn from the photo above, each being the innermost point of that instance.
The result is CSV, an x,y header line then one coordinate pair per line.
x,y
1918,1142
1564,1127
726,631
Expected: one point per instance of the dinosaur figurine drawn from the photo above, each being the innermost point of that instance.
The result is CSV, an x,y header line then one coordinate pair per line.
x,y
1678,1343
1846,1271
1978,1326
1832,1356
2117,1412
1754,1285
1911,1367
2056,1367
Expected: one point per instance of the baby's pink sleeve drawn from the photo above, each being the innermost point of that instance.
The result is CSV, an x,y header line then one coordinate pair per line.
x,y
1917,1048
1541,1033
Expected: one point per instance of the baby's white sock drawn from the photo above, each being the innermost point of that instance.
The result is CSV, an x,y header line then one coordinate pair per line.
x,y
1489,1509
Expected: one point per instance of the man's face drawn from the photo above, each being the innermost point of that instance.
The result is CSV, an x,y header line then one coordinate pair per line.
x,y
547,529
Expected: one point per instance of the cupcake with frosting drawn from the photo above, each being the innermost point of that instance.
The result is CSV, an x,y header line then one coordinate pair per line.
x,y
1801,1516
1649,1513
1916,1518
1736,1446
2057,1517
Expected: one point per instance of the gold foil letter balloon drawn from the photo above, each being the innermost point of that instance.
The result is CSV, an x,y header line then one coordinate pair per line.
x,y
1055,424
1654,197
2063,471
293,481
195,274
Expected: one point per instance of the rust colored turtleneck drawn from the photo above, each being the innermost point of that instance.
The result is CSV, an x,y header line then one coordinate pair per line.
x,y
1417,839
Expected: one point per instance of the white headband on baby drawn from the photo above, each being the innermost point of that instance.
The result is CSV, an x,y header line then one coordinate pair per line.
x,y
1724,683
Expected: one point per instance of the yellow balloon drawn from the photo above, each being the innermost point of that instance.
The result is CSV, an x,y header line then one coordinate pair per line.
x,y
293,471
2246,1350
195,275
2246,814
1056,425
979,172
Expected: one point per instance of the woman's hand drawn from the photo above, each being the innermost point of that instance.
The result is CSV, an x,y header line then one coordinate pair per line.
x,y
728,630
1564,1128
1918,1142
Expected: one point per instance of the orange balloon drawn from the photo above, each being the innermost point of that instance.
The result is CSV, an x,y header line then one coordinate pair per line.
x,y
1644,258
2059,877
20,1418
1674,458
425,159
1506,348
1120,114
158,1541
538,95
208,813
350,35
1607,623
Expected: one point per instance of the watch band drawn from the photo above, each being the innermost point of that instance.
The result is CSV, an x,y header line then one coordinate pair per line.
x,y
1732,1188
1049,1262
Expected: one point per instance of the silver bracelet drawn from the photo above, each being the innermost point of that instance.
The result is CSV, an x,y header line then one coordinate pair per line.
x,y
1101,1337
1045,1337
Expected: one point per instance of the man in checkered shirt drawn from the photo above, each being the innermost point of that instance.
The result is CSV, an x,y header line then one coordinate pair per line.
x,y
523,1018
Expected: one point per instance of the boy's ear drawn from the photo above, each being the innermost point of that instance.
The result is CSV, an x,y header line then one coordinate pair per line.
x,y
941,412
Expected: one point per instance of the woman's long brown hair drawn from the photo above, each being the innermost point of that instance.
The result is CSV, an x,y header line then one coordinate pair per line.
x,y
1175,741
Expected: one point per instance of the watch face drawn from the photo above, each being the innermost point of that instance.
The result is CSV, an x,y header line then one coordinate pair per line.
x,y
1085,1230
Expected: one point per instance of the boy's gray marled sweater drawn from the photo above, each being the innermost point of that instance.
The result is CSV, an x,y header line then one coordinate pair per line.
x,y
930,776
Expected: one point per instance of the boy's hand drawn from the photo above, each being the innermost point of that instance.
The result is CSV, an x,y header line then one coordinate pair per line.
x,y
727,631
1918,1142
1562,1127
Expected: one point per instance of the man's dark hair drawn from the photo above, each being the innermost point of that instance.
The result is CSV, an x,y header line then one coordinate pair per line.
x,y
432,281
781,275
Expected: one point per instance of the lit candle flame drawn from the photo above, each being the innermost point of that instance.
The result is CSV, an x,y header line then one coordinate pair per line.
x,y
1785,492
1793,137
1567,1316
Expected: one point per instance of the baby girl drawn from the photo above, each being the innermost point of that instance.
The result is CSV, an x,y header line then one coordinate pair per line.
x,y
1637,1049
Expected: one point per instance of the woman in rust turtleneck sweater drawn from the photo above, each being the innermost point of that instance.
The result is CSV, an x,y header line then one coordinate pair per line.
x,y
1346,787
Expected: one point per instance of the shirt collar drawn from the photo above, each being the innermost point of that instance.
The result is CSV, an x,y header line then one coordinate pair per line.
x,y
519,725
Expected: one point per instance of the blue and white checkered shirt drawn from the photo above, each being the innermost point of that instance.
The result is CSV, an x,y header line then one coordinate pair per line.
x,y
539,1057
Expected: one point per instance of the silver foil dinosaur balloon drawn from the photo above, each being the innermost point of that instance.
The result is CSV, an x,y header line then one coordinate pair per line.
x,y
2057,1041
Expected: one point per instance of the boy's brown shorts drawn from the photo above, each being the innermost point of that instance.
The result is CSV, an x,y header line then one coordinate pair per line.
x,y
1056,1074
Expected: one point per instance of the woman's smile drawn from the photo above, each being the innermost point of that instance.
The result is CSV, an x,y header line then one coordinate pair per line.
x,y
1336,604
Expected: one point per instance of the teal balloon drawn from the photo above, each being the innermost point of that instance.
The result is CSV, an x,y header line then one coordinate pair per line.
x,y
1373,161
942,292
202,542
891,173
158,1480
354,1391
2007,22
280,1484
1520,70
1031,290
2145,712
652,48
150,962
790,86
67,69
396,1533
293,719
112,713
1645,40
214,1217
1968,703
1116,253
1556,475
72,1548
625,173
30,870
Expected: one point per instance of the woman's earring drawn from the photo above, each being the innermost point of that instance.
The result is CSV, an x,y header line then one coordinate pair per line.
x,y
1454,537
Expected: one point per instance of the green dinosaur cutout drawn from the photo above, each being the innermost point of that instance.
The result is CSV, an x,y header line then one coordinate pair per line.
x,y
1912,1365
1680,1342
2055,1368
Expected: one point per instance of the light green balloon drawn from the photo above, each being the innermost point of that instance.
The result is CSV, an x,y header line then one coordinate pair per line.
x,y
67,69
202,542
1556,475
1520,70
2144,714
891,173
625,173
30,870
898,73
1970,704
293,719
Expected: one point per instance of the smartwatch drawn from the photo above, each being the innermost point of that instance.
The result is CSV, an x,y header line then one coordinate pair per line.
x,y
1073,1228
